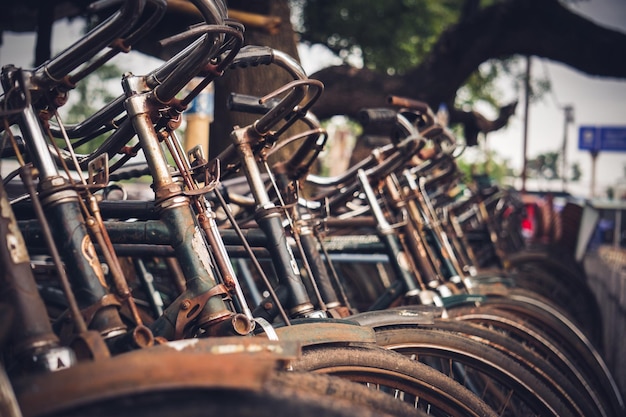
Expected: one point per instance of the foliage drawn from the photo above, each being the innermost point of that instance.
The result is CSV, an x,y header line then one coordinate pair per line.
x,y
488,81
576,172
390,36
395,36
491,165
90,95
94,91
545,165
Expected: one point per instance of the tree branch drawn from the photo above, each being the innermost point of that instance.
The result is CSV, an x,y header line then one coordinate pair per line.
x,y
475,123
525,27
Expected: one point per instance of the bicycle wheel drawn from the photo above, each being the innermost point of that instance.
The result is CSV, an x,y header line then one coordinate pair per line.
x,y
409,381
570,294
559,278
504,384
339,389
552,323
568,383
585,369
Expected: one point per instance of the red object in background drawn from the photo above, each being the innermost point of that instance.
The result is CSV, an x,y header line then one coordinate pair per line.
x,y
528,222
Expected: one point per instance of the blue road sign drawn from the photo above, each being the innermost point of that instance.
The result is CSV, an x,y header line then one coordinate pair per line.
x,y
602,138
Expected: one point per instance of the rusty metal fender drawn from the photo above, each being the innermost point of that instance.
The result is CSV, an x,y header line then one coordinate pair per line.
x,y
326,332
406,315
224,363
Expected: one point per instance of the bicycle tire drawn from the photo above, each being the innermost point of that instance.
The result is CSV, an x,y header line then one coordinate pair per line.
x,y
551,258
408,380
223,403
585,369
569,383
563,331
529,393
188,381
571,295
340,389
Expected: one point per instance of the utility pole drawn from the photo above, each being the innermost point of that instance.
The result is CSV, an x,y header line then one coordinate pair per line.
x,y
525,134
569,118
594,158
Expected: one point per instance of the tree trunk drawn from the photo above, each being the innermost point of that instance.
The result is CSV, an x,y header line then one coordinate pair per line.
x,y
257,81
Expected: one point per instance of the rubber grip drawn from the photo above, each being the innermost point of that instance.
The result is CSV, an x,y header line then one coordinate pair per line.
x,y
252,56
380,117
249,104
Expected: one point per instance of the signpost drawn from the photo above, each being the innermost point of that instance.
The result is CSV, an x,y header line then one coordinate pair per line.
x,y
600,138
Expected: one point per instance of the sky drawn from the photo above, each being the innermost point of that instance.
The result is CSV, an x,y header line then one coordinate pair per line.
x,y
596,101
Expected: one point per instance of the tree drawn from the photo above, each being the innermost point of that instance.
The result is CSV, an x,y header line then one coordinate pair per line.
x,y
92,93
391,36
545,166
576,172
479,31
499,30
492,166
254,81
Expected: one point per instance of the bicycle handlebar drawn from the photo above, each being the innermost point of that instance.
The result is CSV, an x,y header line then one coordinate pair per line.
x,y
255,55
115,108
249,104
194,62
420,106
382,162
272,108
314,138
55,69
379,163
158,11
388,119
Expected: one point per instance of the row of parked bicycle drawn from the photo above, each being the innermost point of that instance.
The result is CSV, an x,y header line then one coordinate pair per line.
x,y
248,285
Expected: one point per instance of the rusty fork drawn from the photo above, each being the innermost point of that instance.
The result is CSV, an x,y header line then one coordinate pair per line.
x,y
61,202
203,297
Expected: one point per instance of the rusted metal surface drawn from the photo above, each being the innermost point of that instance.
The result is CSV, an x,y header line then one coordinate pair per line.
x,y
90,345
175,211
83,266
318,333
418,314
150,231
190,308
31,327
240,363
8,403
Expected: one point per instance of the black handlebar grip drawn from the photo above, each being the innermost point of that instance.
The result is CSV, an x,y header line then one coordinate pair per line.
x,y
380,117
249,104
252,56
